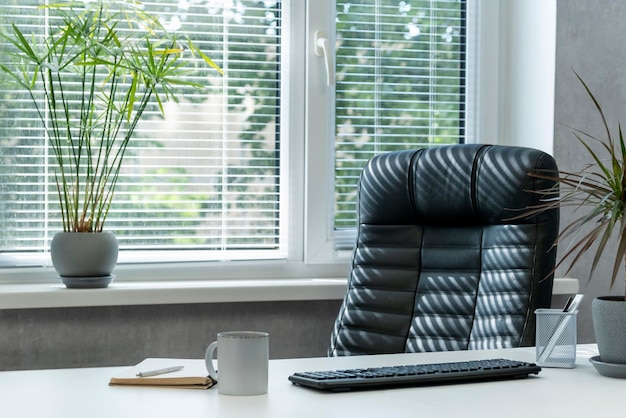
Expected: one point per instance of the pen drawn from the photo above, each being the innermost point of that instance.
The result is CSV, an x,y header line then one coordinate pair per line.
x,y
569,302
160,371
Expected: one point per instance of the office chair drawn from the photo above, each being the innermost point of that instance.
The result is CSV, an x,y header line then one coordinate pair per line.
x,y
440,261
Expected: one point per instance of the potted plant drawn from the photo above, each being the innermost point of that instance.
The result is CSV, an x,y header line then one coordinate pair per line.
x,y
597,195
122,60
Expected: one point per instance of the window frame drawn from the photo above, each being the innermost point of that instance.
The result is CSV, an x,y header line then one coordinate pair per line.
x,y
324,244
311,241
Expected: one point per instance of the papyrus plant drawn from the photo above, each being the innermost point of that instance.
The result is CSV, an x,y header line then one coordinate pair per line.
x,y
99,66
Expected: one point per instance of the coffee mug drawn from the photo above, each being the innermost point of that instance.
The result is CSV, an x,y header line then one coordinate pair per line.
x,y
242,360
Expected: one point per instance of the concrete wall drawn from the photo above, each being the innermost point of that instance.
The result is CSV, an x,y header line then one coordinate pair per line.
x,y
124,335
590,42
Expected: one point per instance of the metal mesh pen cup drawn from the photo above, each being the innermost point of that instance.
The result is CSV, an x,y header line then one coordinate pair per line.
x,y
556,338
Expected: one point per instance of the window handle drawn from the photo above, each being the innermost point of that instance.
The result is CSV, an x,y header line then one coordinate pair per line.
x,y
322,48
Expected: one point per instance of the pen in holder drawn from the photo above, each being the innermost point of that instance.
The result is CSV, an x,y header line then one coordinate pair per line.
x,y
556,338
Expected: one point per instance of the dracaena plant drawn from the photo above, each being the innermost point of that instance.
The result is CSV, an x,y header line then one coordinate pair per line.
x,y
597,195
98,68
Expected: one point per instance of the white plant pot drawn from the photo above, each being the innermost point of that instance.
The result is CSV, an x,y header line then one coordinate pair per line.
x,y
84,259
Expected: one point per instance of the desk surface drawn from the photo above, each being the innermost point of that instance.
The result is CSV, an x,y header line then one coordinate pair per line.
x,y
68,393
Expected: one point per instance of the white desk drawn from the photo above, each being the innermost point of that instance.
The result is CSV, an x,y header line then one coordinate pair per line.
x,y
69,393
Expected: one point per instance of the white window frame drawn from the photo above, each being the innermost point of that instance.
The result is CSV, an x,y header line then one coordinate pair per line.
x,y
312,243
323,244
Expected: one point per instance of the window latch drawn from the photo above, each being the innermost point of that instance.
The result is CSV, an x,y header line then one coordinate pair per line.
x,y
322,49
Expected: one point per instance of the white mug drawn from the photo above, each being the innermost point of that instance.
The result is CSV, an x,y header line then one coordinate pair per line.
x,y
242,360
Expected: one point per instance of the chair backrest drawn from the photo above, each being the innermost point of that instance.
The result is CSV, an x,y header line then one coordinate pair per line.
x,y
439,264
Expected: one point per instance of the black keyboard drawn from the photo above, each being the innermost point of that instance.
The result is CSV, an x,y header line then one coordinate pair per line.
x,y
415,375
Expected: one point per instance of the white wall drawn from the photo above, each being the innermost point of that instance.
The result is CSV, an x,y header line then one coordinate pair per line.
x,y
517,72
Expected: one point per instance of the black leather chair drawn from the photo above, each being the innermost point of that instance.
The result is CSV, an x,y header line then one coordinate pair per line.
x,y
439,263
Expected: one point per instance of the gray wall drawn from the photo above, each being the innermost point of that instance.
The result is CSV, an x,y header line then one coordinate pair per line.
x,y
590,41
124,335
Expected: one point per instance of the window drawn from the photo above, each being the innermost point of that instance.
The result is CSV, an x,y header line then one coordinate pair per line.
x,y
202,181
400,84
221,176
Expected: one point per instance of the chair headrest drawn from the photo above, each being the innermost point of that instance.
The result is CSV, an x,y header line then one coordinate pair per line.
x,y
465,184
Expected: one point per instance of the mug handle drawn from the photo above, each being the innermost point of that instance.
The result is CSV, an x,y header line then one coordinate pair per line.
x,y
208,359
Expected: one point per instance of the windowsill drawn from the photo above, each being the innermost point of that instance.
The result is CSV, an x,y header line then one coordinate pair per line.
x,y
27,296
178,283
16,296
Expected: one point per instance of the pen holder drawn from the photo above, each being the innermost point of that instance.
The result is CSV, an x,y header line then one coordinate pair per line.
x,y
556,338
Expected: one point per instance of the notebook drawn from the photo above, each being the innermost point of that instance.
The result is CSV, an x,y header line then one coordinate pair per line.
x,y
193,375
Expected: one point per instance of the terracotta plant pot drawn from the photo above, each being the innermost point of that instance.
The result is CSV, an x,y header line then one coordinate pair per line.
x,y
84,259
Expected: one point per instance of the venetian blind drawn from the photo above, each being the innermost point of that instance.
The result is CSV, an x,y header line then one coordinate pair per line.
x,y
400,84
202,182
